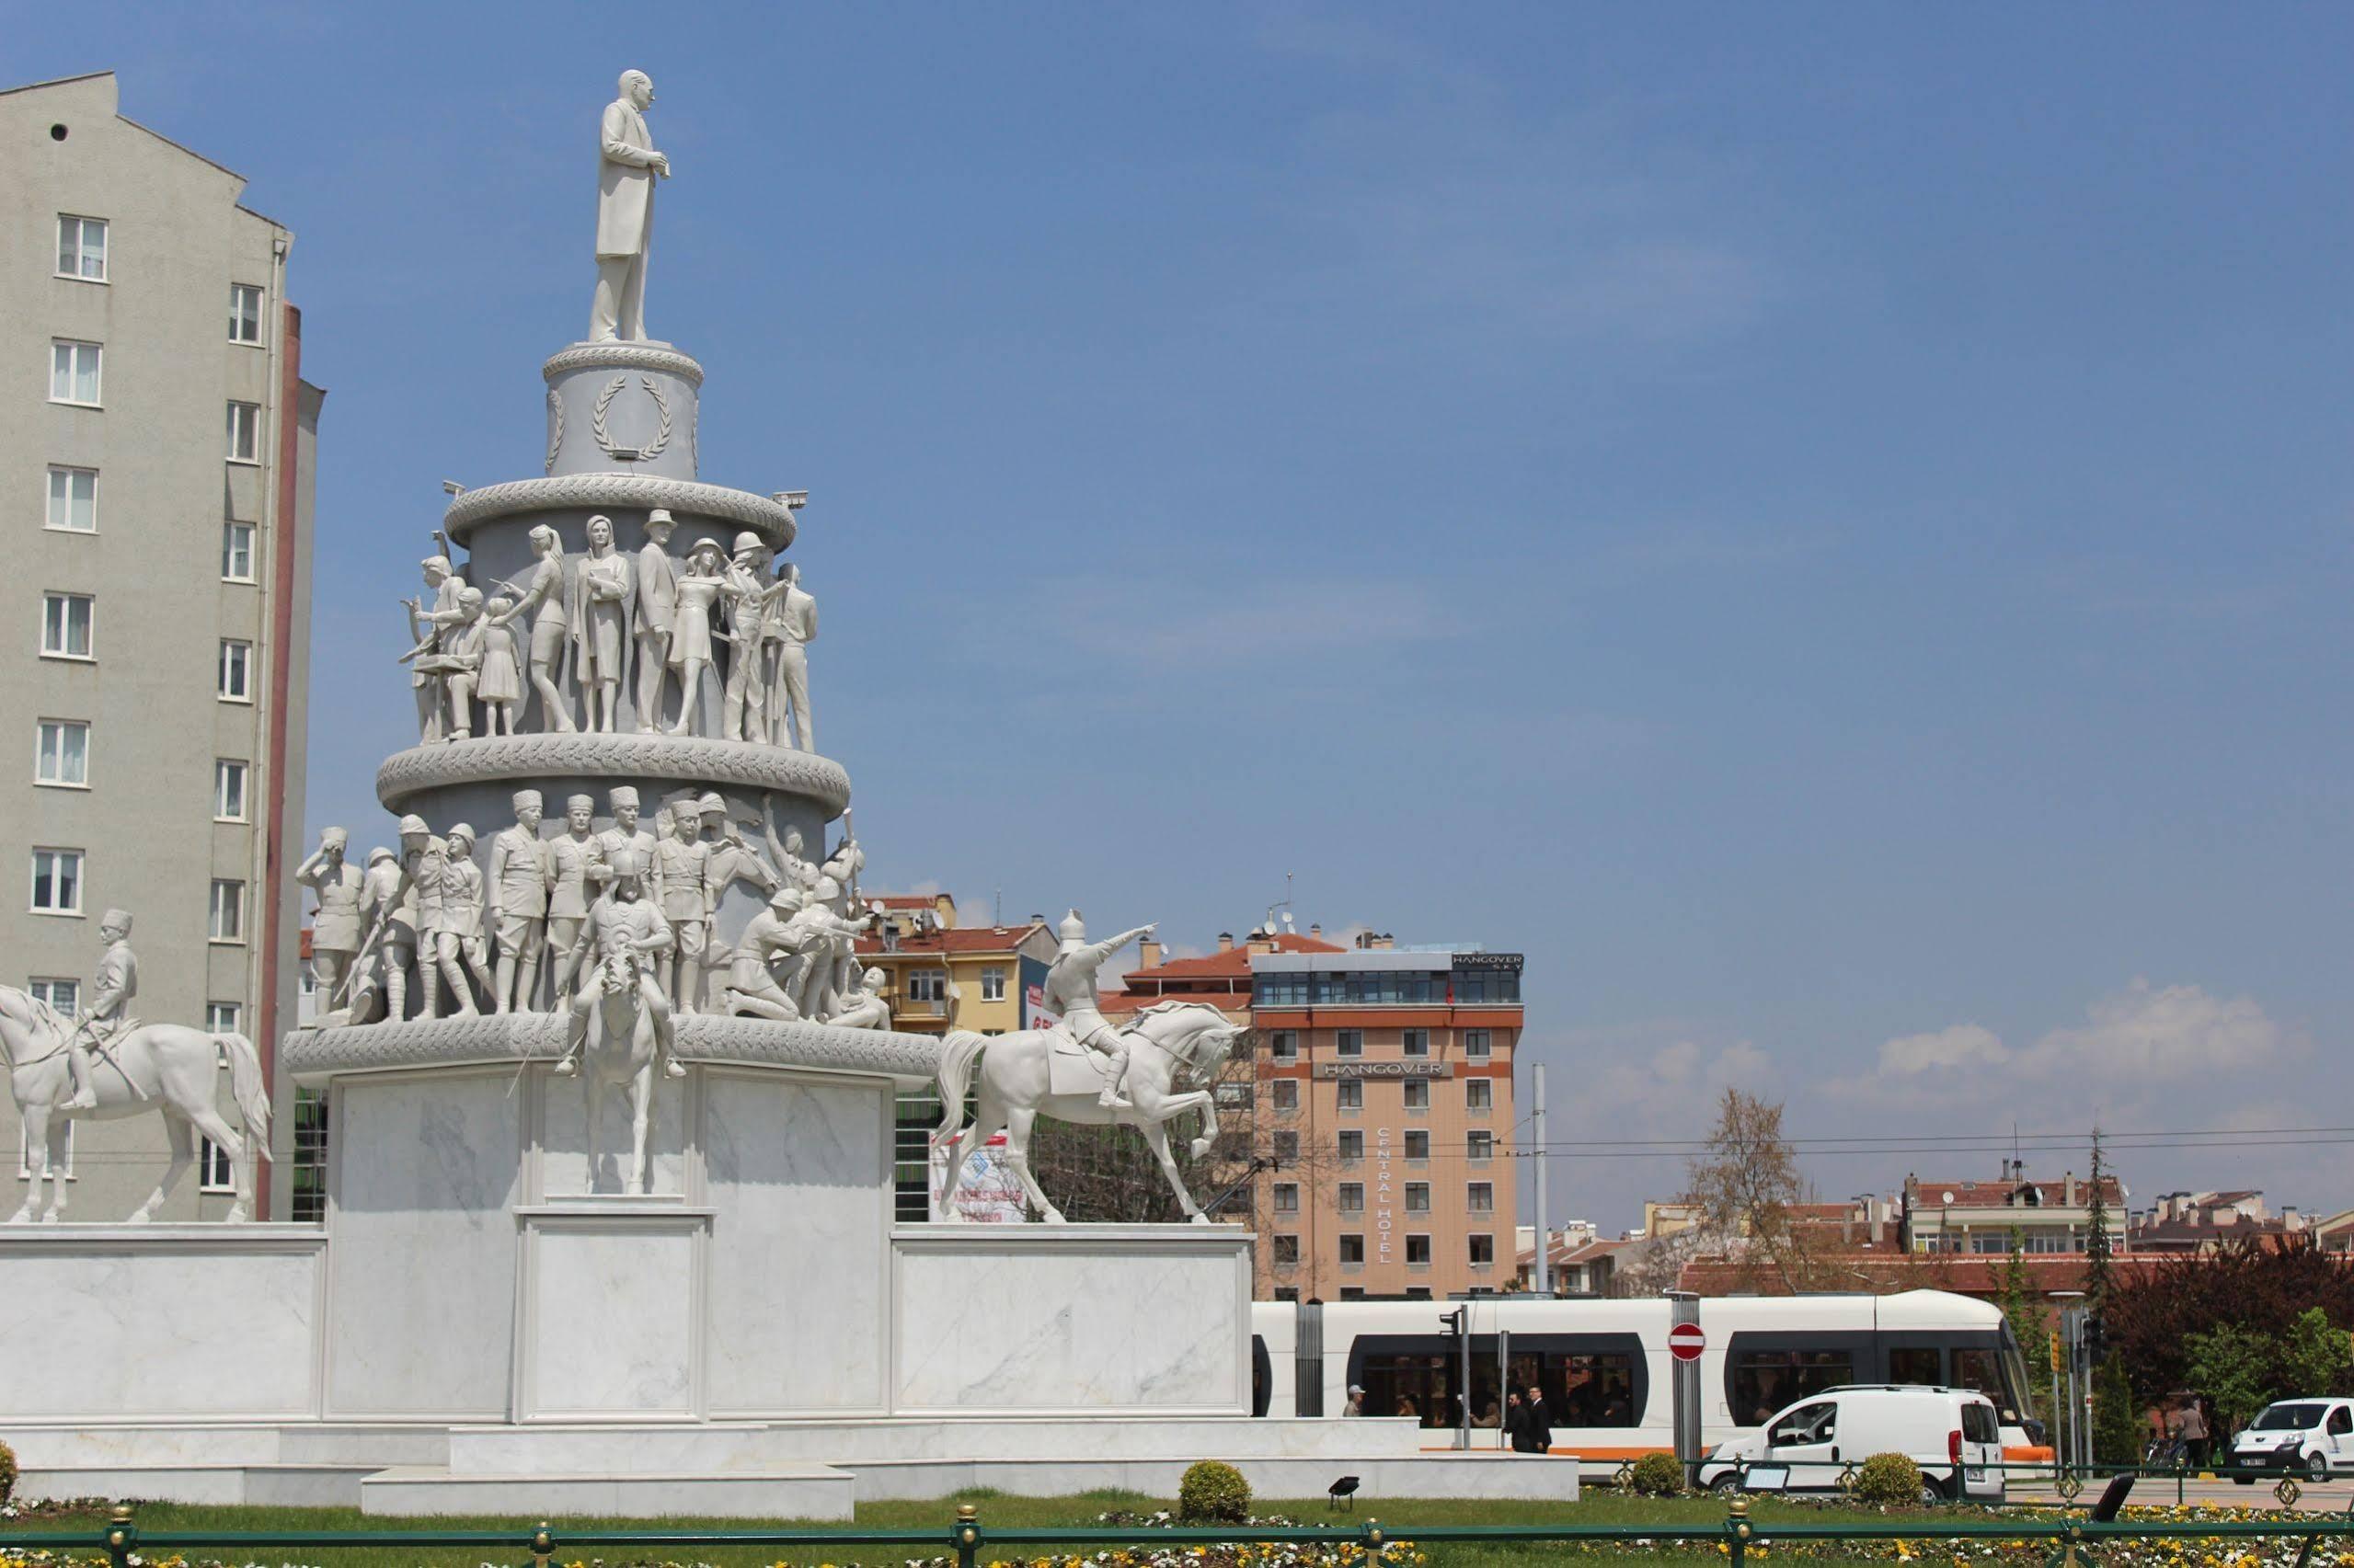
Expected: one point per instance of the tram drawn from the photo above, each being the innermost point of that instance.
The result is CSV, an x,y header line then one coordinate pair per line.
x,y
1604,1367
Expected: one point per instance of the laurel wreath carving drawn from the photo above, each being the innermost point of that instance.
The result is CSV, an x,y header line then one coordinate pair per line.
x,y
583,754
661,406
554,426
539,1036
599,492
623,357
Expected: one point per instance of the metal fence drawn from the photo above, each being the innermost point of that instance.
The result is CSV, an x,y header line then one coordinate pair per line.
x,y
2067,1481
966,1535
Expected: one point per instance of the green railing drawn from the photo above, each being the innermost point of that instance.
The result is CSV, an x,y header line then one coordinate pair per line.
x,y
2068,1480
966,1535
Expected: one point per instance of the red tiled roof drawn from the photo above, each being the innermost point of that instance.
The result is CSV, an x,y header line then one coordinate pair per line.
x,y
1966,1274
1235,963
964,939
1996,1195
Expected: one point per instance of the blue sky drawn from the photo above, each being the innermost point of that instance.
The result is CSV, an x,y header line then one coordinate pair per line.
x,y
1826,527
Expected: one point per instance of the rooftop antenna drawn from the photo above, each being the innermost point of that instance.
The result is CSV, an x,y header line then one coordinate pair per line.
x,y
997,908
1285,906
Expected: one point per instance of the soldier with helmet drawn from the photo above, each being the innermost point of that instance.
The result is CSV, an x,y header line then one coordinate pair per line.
x,y
570,855
1070,993
626,934
458,940
744,709
335,928
111,989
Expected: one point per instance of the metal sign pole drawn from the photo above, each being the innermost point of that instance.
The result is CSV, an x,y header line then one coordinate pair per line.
x,y
1684,1306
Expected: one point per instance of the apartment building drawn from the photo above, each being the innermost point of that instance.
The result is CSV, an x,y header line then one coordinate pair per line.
x,y
1961,1215
158,465
1385,1097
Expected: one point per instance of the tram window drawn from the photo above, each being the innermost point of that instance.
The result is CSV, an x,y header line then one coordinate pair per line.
x,y
1583,1389
1982,1370
1765,1381
1916,1364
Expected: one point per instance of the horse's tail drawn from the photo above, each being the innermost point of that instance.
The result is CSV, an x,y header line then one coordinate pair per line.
x,y
957,1053
246,1087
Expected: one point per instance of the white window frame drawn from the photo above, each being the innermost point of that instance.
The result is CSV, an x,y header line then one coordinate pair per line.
x,y
81,880
225,915
1287,1198
1284,1103
1285,1253
1478,1044
82,226
1423,1237
1479,1095
43,989
1414,1042
71,348
25,1154
1349,1094
66,599
1417,1093
237,292
210,1157
1286,1045
993,982
1471,1197
43,730
49,497
224,1017
233,532
1473,1141
930,986
249,426
1413,1133
232,790
1471,1249
1349,1197
1417,1190
1349,1043
244,666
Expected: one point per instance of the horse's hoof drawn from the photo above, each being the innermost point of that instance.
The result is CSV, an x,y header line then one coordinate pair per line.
x,y
1198,1220
22,1216
237,1216
1202,1146
50,1217
138,1216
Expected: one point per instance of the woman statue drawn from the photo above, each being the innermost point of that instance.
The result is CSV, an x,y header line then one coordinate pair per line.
x,y
690,655
545,594
600,612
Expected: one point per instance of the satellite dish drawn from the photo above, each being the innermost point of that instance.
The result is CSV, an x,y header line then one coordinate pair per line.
x,y
1949,1197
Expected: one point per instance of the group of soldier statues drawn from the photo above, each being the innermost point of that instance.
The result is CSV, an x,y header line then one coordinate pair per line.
x,y
606,623
578,909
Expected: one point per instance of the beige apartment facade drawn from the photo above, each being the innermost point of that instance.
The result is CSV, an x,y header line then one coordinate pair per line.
x,y
157,466
1384,1081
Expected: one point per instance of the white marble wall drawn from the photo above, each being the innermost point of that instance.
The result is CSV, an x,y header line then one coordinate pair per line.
x,y
204,1320
421,1280
613,1313
564,1142
1048,1319
798,1177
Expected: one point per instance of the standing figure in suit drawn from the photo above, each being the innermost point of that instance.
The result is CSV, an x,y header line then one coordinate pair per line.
x,y
599,616
627,166
657,600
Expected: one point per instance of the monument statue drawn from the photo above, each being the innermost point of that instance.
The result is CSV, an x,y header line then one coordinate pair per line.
x,y
792,627
682,862
600,613
624,930
518,886
1071,992
546,598
772,941
335,927
743,703
657,602
864,1007
425,624
624,835
570,855
461,949
690,648
627,168
108,1014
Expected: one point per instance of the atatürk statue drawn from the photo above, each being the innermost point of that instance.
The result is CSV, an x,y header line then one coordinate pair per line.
x,y
627,166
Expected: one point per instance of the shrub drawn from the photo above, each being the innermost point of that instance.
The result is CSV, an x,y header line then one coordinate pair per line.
x,y
7,1472
1656,1475
1215,1491
1888,1477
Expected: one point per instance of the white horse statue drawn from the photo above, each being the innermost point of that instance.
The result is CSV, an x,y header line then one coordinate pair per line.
x,y
166,1067
1168,1040
620,1053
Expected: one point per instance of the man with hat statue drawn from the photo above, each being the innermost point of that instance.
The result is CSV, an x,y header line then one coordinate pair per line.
x,y
459,943
392,938
626,933
728,859
657,608
518,884
1070,993
773,935
625,834
792,628
569,855
744,704
423,856
335,928
682,859
111,989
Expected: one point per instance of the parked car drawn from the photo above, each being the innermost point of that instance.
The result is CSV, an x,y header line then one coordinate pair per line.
x,y
2310,1437
1952,1433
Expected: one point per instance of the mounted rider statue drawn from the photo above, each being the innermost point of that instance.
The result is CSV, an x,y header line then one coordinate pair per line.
x,y
626,931
1071,992
111,989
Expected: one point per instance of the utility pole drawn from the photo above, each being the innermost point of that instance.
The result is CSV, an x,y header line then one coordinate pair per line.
x,y
1542,1276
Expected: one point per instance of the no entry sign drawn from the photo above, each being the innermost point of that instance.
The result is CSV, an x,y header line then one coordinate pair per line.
x,y
1685,1341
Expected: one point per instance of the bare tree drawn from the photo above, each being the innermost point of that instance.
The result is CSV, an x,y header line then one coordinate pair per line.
x,y
1745,1188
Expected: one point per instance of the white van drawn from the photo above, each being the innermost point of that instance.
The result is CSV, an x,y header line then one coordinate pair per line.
x,y
2310,1437
1952,1433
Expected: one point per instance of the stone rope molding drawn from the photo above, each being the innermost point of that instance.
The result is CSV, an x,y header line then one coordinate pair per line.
x,y
554,426
519,1037
622,357
635,492
588,753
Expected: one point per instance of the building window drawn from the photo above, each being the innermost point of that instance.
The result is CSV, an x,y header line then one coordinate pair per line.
x,y
1352,1143
309,1203
1418,1198
1287,1093
1287,1146
224,1017
1287,1198
1479,1144
1477,1043
1417,1093
236,671
927,985
1480,1198
1418,1251
1417,1042
66,623
1352,1198
228,790
237,551
82,248
73,371
1483,1250
244,432
1287,1044
1479,1095
62,754
1350,1093
215,1174
57,882
63,997
245,312
1289,1292
1287,1252
1417,1143
227,922
993,982
73,499
1352,1042
60,1156
1352,1251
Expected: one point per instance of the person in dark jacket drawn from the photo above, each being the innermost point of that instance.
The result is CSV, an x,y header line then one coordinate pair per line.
x,y
1538,1423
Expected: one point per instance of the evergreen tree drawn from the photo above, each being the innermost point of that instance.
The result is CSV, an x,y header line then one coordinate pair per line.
x,y
2031,1326
2117,1422
2097,1267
